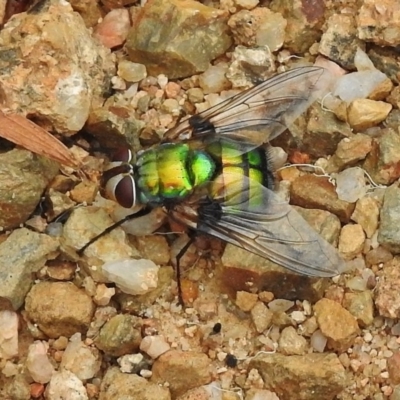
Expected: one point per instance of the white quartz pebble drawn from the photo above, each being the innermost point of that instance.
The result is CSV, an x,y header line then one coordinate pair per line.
x,y
132,276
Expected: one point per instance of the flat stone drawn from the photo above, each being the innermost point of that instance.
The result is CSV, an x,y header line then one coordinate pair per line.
x,y
325,223
389,233
117,385
190,36
383,162
310,376
120,335
351,241
261,316
366,214
366,113
336,323
60,91
339,42
258,27
382,91
154,247
381,28
393,367
310,191
22,255
23,178
291,343
349,151
324,132
249,65
241,269
245,300
304,22
385,60
183,370
361,306
59,308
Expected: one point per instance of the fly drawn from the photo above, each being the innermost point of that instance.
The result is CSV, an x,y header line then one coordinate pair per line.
x,y
213,174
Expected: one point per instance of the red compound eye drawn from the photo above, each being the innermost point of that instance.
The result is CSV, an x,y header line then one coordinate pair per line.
x,y
123,154
125,192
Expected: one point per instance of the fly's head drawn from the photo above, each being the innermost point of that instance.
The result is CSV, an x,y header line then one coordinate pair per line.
x,y
118,180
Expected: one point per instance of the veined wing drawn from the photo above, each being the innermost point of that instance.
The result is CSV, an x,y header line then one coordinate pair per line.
x,y
255,219
258,114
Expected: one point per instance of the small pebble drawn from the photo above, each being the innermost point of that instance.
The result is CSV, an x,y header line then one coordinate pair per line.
x,y
103,294
351,241
245,300
114,28
195,95
62,384
318,341
8,334
154,346
132,276
172,90
38,364
291,343
130,71
261,316
280,305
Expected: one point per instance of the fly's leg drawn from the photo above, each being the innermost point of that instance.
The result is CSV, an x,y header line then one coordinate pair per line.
x,y
140,213
179,256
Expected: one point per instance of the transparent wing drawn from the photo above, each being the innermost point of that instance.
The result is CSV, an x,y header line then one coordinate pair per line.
x,y
258,114
255,219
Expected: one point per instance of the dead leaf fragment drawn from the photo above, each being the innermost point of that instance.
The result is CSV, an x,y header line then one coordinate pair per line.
x,y
27,134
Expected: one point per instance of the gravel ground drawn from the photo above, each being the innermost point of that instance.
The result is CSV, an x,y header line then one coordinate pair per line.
x,y
106,324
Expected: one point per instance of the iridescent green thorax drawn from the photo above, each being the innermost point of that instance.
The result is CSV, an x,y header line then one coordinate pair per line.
x,y
171,172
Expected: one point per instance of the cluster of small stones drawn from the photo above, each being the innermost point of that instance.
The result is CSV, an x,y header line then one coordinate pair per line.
x,y
66,332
